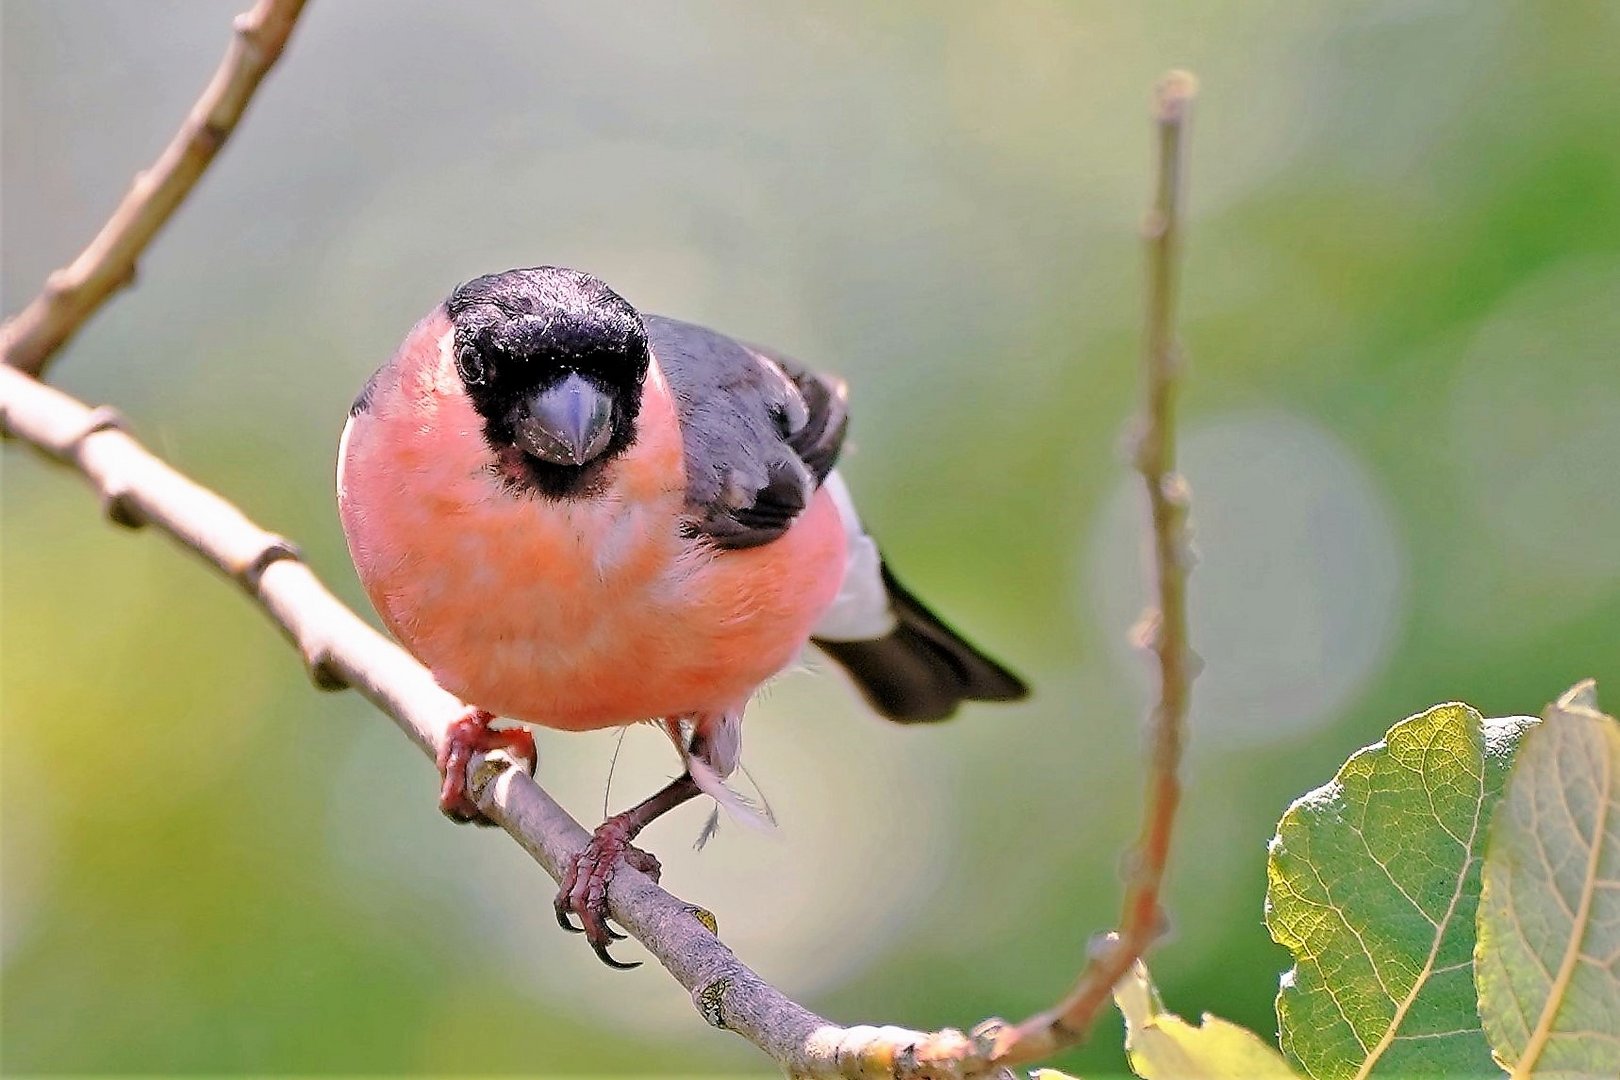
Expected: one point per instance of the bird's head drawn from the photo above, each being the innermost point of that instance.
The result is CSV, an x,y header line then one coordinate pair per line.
x,y
553,361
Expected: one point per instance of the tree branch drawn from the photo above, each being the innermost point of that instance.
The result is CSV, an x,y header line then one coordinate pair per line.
x,y
72,294
1164,631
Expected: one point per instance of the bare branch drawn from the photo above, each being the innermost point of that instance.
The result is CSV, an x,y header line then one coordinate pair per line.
x,y
72,294
1142,920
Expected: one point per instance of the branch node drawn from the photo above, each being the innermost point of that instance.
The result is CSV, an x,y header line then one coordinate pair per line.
x,y
1177,492
1184,553
118,506
322,671
209,137
101,418
1173,95
1163,925
118,502
1144,633
325,677
248,29
275,549
1100,948
317,653
58,283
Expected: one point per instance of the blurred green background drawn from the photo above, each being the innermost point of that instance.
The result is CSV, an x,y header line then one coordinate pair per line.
x,y
1402,426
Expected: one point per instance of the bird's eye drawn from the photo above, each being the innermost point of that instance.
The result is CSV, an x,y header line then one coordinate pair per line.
x,y
471,366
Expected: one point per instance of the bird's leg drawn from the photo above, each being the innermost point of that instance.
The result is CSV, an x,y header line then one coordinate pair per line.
x,y
470,735
584,886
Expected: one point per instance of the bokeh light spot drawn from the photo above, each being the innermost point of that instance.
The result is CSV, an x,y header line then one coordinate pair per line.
x,y
1297,592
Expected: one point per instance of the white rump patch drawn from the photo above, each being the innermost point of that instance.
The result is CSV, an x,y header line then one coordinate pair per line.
x,y
860,611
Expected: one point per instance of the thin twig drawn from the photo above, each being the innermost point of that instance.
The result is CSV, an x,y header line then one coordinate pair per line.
x,y
1142,918
341,650
72,294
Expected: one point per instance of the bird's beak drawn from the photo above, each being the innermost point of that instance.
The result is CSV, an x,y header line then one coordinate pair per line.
x,y
568,424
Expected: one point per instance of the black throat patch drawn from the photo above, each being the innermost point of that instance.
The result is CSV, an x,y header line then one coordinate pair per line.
x,y
520,332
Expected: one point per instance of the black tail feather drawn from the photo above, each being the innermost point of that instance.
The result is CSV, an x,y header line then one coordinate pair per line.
x,y
921,670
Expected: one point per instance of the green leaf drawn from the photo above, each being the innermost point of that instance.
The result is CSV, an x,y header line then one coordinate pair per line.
x,y
1163,1046
1549,920
1372,884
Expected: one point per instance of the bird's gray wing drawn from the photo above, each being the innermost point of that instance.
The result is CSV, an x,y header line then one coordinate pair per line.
x,y
760,431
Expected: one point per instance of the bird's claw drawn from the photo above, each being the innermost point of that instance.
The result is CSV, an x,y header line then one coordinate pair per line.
x,y
469,735
583,893
617,965
567,923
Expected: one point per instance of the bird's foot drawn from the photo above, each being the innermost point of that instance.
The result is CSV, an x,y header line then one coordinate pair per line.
x,y
584,886
468,736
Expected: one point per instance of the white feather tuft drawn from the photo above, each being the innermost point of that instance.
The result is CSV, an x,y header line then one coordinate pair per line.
x,y
738,807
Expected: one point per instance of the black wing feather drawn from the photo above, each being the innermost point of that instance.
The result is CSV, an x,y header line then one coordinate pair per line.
x,y
922,670
761,432
826,401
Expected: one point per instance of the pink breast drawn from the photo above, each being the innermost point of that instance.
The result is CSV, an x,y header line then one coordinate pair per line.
x,y
571,614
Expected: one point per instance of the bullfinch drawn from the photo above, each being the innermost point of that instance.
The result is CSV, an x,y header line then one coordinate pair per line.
x,y
580,516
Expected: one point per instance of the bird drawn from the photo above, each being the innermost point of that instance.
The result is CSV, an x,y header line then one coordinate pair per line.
x,y
579,516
